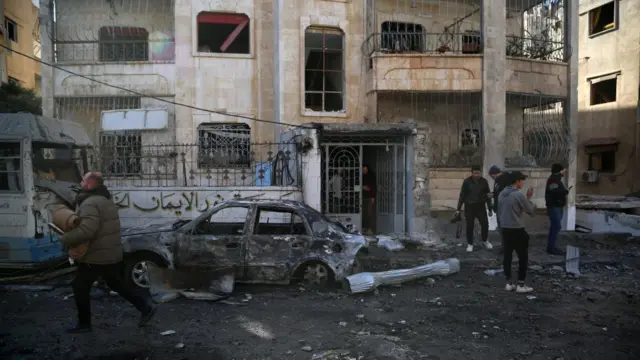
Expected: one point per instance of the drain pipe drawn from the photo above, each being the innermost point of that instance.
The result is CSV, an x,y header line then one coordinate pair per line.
x,y
277,81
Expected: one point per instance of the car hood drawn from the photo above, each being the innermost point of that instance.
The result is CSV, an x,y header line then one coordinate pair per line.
x,y
149,228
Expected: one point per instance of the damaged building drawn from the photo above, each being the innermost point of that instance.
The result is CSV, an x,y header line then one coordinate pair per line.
x,y
418,90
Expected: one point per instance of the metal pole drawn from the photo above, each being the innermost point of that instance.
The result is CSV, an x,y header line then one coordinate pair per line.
x,y
277,81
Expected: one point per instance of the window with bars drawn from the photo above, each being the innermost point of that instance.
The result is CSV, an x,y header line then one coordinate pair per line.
x,y
324,69
224,145
10,167
121,153
123,44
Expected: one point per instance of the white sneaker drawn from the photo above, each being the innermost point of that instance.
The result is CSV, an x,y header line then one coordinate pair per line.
x,y
469,248
522,289
488,245
510,287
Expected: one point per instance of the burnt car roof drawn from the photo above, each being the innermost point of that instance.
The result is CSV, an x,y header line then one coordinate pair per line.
x,y
273,202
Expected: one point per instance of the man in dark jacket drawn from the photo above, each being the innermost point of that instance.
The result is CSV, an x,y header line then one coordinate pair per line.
x,y
475,195
99,228
555,196
501,181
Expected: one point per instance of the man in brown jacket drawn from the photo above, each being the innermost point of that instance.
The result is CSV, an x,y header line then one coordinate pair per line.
x,y
100,229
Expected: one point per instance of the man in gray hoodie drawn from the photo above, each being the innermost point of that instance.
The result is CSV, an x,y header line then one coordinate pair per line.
x,y
512,204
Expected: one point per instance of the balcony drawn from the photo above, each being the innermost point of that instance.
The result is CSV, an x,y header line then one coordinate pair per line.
x,y
425,61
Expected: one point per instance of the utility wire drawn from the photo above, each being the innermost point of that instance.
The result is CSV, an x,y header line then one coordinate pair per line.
x,y
149,96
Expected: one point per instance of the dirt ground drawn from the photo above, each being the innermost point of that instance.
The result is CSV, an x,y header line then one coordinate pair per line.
x,y
464,316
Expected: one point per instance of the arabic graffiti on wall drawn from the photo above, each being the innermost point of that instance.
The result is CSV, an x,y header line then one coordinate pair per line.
x,y
171,201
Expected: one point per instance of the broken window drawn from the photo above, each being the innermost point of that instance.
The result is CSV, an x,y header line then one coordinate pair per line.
x,y
123,44
604,89
470,138
324,69
121,153
12,29
10,167
279,222
224,33
602,18
228,221
400,36
224,145
603,161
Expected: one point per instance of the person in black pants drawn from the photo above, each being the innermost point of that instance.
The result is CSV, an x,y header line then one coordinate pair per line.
x,y
513,204
555,196
475,195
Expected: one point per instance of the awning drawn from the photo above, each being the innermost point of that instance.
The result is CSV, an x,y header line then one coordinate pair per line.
x,y
598,145
597,79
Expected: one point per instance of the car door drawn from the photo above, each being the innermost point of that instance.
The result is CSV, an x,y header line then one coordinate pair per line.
x,y
217,242
279,237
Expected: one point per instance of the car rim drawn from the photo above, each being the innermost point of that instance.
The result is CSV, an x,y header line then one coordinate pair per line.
x,y
316,274
140,274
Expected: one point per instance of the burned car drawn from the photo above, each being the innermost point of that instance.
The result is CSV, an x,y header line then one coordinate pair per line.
x,y
262,241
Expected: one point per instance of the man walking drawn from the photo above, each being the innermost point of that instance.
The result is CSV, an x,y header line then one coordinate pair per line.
x,y
501,181
555,196
515,238
474,194
99,229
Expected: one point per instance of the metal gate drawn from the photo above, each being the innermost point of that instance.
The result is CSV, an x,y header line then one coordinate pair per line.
x,y
342,182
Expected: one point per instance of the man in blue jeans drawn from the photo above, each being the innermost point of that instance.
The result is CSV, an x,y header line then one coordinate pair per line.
x,y
555,196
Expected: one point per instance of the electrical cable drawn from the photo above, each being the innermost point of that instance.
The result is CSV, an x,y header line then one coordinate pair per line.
x,y
150,96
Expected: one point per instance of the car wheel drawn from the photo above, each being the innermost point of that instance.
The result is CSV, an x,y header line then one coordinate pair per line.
x,y
137,270
317,274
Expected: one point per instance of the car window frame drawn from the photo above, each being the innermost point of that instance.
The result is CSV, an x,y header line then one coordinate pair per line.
x,y
276,208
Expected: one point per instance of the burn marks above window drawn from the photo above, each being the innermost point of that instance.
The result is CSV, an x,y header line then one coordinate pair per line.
x,y
224,33
324,69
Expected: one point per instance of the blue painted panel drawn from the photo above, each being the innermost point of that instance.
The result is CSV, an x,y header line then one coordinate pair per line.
x,y
21,249
263,174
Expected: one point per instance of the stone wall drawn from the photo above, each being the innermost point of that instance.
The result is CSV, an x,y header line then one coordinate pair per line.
x,y
444,186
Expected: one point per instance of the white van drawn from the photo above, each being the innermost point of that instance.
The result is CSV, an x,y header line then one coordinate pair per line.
x,y
41,162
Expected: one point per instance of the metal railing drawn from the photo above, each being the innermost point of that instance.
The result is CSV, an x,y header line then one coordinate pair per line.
x,y
125,161
536,48
469,42
154,51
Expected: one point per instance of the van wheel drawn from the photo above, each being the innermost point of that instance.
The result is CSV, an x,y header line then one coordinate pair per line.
x,y
137,269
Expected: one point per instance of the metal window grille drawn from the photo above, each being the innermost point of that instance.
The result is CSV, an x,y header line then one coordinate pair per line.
x,y
224,145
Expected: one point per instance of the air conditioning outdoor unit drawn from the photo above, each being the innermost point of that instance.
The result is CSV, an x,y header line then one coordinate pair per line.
x,y
590,177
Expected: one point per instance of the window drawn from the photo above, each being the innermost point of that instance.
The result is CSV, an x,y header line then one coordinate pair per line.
x,y
121,153
602,18
399,36
224,145
12,29
279,222
324,70
10,167
223,33
604,89
227,221
123,44
470,138
603,161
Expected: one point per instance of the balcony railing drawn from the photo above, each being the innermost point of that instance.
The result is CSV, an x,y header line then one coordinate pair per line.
x,y
469,42
536,49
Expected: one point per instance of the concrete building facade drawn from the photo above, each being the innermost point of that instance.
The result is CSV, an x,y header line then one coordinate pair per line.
x,y
473,83
20,32
609,90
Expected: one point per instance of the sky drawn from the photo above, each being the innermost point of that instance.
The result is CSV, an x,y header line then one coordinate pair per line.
x,y
36,2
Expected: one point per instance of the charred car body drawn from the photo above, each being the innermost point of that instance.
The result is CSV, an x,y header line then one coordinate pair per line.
x,y
263,241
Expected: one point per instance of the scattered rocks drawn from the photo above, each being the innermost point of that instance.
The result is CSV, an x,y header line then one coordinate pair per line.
x,y
306,348
535,268
168,332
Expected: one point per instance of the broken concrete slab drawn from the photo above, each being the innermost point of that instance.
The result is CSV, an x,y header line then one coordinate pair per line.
x,y
368,281
572,263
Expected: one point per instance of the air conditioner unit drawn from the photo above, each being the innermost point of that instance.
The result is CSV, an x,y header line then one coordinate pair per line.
x,y
590,177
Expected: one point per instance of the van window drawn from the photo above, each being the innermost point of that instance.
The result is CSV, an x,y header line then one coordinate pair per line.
x,y
10,167
51,162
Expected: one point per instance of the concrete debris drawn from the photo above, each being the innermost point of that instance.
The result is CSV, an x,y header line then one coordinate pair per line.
x,y
531,297
306,348
179,346
389,243
168,332
162,291
367,281
333,355
342,323
572,260
29,288
493,272
535,268
557,268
